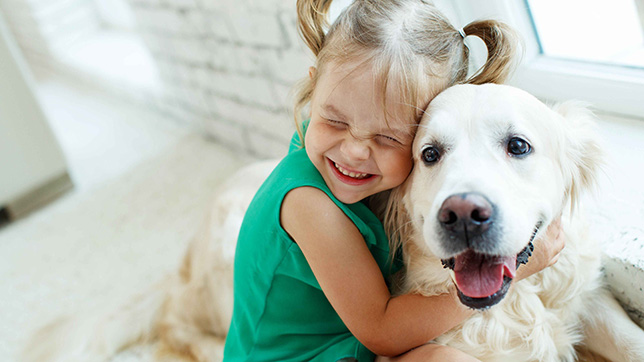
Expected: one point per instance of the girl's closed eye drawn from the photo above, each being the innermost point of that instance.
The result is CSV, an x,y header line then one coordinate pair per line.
x,y
337,124
388,139
391,141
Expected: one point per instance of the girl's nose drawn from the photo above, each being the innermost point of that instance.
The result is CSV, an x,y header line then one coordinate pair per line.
x,y
356,148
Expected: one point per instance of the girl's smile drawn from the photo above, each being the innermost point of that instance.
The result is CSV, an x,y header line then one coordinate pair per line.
x,y
349,176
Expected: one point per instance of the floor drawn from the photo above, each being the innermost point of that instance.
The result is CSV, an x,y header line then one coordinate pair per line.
x,y
143,185
102,136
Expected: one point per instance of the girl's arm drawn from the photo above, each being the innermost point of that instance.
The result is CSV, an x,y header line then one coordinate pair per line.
x,y
353,283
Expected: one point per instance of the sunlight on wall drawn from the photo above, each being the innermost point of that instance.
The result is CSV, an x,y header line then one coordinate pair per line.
x,y
115,56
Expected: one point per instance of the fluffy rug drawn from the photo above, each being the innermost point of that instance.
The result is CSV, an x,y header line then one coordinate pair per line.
x,y
98,247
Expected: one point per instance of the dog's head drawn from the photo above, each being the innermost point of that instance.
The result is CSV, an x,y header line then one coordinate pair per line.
x,y
493,167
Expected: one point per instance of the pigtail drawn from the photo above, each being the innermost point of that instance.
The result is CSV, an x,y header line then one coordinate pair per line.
x,y
311,21
502,43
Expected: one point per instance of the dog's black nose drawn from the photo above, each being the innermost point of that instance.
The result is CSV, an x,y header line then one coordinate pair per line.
x,y
466,215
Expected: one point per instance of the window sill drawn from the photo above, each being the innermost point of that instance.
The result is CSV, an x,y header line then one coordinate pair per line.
x,y
618,212
612,89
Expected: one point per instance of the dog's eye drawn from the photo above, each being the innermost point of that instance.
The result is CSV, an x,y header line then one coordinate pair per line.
x,y
518,146
430,154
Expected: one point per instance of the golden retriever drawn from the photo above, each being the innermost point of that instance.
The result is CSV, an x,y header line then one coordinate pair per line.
x,y
493,168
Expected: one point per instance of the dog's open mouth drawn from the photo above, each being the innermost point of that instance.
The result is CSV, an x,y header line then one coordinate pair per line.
x,y
480,276
483,280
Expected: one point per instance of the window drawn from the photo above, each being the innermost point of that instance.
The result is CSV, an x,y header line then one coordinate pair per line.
x,y
590,50
604,32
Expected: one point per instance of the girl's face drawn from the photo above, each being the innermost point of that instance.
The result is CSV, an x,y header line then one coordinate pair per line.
x,y
348,140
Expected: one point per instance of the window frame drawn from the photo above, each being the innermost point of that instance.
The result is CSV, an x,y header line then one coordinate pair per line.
x,y
608,88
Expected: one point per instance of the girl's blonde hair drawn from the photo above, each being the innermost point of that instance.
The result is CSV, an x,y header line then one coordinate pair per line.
x,y
410,45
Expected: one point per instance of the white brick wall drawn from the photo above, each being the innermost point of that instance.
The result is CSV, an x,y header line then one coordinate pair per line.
x,y
231,63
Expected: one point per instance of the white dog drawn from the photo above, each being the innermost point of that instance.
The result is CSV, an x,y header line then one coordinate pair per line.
x,y
493,168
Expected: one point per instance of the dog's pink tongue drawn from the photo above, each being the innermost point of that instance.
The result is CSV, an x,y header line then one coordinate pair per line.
x,y
479,276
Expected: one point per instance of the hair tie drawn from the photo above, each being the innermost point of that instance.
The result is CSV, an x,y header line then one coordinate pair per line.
x,y
462,32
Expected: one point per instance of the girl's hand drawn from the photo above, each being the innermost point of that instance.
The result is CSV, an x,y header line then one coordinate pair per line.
x,y
546,251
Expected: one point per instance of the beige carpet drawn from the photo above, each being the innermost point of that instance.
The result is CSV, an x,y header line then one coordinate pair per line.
x,y
97,247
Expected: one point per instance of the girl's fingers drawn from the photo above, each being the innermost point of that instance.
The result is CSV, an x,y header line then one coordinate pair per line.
x,y
556,239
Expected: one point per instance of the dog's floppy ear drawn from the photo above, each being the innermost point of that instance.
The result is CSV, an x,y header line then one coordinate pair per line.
x,y
582,156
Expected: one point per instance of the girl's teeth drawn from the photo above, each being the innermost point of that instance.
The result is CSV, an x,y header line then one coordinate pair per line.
x,y
350,174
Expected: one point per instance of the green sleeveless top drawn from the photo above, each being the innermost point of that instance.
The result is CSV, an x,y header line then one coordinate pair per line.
x,y
280,312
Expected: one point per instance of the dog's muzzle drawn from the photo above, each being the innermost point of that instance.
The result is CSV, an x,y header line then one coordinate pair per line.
x,y
482,276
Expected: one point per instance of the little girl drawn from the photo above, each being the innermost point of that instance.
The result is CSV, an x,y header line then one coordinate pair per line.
x,y
312,260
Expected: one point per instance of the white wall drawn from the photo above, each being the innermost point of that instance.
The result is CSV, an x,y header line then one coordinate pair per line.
x,y
227,66
29,153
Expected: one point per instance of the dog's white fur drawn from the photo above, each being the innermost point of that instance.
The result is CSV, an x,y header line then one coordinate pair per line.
x,y
542,318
